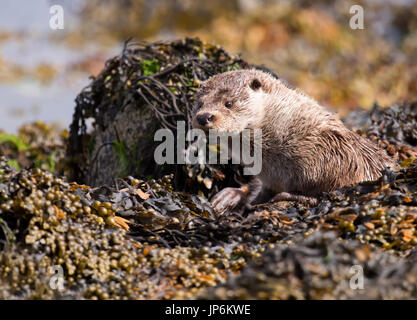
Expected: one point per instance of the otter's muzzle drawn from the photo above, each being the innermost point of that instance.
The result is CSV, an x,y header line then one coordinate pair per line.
x,y
204,119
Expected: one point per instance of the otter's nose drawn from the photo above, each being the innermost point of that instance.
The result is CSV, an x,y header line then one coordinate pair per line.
x,y
205,118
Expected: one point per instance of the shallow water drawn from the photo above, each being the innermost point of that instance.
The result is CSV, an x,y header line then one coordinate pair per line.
x,y
40,72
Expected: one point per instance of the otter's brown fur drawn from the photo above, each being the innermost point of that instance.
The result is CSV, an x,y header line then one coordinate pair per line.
x,y
306,150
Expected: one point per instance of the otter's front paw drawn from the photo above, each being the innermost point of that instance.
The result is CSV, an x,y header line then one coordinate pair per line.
x,y
227,200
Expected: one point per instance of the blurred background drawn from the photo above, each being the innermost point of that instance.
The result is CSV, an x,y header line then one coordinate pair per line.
x,y
309,43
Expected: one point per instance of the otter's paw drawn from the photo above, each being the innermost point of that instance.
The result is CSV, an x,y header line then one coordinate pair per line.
x,y
227,200
285,196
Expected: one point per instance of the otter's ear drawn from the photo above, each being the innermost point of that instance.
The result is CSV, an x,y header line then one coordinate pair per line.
x,y
255,84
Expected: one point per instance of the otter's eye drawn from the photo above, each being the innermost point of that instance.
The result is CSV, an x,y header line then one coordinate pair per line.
x,y
228,104
198,104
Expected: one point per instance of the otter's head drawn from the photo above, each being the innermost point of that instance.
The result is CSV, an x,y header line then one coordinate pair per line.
x,y
231,101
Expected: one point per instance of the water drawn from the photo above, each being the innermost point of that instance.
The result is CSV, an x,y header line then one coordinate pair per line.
x,y
41,72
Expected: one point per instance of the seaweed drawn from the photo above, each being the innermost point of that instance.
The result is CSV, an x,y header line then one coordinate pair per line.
x,y
148,87
124,228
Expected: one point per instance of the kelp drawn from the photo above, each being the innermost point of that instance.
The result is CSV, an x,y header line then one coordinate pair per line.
x,y
321,267
36,144
148,87
109,223
65,240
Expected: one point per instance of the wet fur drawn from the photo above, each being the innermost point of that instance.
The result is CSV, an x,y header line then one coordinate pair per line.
x,y
306,150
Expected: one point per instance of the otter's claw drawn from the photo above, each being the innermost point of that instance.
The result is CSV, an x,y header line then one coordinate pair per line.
x,y
227,199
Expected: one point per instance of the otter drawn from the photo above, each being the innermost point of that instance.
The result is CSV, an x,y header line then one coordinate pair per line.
x,y
306,150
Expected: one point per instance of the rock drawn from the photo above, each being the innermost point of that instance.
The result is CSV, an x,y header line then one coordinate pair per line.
x,y
148,87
